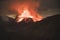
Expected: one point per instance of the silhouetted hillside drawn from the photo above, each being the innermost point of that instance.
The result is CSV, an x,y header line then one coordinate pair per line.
x,y
50,27
46,29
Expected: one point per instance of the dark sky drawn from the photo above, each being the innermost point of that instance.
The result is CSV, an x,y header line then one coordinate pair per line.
x,y
44,3
47,7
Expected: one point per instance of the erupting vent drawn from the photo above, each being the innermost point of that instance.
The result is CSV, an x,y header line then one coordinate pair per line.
x,y
27,14
26,9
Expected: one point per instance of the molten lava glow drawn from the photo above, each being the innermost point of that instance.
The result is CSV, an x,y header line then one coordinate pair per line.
x,y
26,9
27,14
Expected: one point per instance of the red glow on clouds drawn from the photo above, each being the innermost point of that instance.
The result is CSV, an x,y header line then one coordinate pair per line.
x,y
26,9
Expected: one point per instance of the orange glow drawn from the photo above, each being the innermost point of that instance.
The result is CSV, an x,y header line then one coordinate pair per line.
x,y
26,9
28,14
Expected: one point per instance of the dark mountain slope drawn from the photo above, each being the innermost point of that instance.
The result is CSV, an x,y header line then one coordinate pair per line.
x,y
46,29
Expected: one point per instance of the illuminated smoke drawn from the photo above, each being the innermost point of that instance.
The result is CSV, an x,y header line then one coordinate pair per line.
x,y
26,9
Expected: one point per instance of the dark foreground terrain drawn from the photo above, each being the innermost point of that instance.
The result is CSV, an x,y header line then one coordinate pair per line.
x,y
46,29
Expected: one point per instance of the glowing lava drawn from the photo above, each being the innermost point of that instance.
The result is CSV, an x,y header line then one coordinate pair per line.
x,y
27,14
26,9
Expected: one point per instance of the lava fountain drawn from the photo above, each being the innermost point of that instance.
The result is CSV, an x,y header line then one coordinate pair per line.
x,y
26,9
27,14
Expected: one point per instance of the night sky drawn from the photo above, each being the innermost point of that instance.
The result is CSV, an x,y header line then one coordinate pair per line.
x,y
46,7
